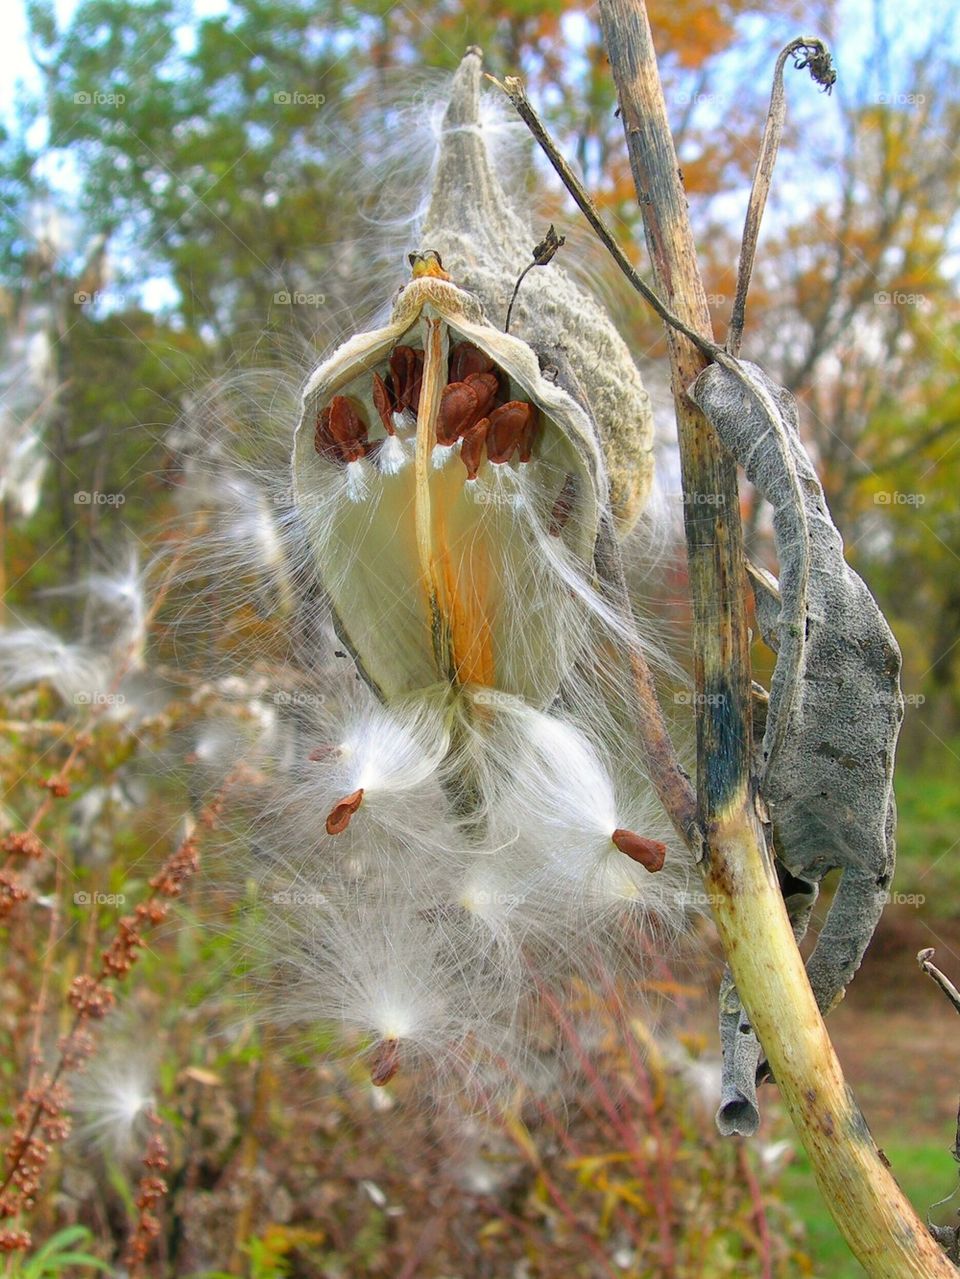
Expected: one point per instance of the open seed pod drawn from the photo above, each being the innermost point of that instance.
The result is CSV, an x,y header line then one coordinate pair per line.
x,y
451,494
485,243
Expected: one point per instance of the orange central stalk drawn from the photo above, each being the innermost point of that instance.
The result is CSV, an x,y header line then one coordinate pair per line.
x,y
464,584
456,591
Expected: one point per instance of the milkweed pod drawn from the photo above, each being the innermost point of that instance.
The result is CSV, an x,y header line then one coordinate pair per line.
x,y
449,569
485,243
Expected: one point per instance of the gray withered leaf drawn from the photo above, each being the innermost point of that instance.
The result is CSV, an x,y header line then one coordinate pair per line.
x,y
826,773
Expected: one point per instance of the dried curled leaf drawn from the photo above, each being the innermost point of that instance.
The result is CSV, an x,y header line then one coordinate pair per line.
x,y
835,701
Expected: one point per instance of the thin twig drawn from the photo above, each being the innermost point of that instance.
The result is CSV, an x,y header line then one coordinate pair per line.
x,y
514,90
924,959
543,253
812,54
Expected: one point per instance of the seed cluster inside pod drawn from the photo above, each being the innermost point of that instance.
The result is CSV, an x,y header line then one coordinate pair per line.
x,y
451,495
472,413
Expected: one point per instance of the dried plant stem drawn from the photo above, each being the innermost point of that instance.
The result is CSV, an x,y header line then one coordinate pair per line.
x,y
925,960
871,1211
714,537
250,1147
818,59
35,1060
92,997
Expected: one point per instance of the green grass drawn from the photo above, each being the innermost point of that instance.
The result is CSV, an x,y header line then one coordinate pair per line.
x,y
926,1173
929,824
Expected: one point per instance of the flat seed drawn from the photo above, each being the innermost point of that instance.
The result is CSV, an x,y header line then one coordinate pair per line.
x,y
459,410
383,403
509,430
650,853
385,1063
338,819
471,450
465,358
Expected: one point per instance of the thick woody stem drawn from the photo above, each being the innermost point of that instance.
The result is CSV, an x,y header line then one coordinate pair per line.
x,y
871,1211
